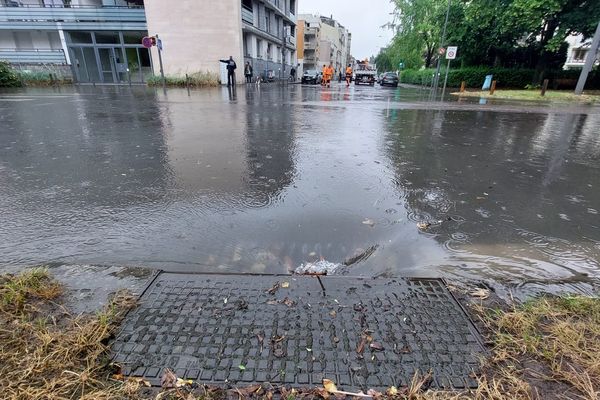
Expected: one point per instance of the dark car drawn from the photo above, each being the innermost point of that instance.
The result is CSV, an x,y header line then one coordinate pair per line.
x,y
311,76
389,79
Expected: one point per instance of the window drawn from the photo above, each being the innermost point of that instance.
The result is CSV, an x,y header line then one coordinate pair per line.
x,y
80,37
247,4
268,23
108,37
134,37
259,48
293,7
269,51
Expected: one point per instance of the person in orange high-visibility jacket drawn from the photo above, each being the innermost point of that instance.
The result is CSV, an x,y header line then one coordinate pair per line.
x,y
348,74
328,75
324,75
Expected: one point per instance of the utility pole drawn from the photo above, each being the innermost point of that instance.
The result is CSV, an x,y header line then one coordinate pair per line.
x,y
589,61
436,78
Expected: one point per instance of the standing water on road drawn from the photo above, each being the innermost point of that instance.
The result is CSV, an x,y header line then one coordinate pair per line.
x,y
267,179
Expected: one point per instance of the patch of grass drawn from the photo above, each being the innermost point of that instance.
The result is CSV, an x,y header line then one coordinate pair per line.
x,y
196,79
47,353
590,97
34,284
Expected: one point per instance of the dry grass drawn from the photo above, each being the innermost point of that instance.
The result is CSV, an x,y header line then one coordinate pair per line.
x,y
47,353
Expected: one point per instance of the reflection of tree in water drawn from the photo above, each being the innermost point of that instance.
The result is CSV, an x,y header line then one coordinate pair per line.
x,y
106,149
498,176
270,147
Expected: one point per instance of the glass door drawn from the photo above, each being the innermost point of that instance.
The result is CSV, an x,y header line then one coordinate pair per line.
x,y
107,65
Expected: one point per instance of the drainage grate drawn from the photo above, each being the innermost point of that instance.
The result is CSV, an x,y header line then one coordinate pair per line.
x,y
230,329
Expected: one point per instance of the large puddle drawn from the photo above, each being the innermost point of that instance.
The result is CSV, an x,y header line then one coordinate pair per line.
x,y
263,180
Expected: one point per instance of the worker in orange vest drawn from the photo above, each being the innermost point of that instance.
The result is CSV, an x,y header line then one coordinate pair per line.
x,y
348,75
324,75
329,75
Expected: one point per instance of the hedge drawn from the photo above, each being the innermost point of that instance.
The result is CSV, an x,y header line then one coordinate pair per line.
x,y
8,77
505,77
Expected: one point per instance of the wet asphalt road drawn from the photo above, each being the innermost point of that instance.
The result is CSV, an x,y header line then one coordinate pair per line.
x,y
262,180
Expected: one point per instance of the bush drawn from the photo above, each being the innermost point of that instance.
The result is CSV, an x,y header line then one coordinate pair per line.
x,y
8,77
197,79
41,78
515,78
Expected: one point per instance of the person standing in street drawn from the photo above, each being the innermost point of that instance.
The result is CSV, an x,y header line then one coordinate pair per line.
x,y
348,75
324,75
248,72
329,75
231,67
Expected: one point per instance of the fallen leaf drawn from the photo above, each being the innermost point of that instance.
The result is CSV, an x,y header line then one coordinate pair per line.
x,y
376,346
481,294
308,349
423,225
329,385
273,289
118,377
272,302
322,393
392,391
288,302
141,381
184,382
333,313
374,394
225,300
285,285
168,379
336,339
361,346
369,222
242,367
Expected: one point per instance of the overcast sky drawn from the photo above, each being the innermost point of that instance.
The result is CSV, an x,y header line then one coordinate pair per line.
x,y
363,19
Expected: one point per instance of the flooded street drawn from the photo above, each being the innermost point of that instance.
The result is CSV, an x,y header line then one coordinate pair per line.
x,y
265,179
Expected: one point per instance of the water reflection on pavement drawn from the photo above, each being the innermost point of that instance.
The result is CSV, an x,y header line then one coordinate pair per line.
x,y
264,179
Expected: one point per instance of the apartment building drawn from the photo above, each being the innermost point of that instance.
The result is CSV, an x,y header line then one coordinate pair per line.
x,y
99,41
323,41
196,34
94,41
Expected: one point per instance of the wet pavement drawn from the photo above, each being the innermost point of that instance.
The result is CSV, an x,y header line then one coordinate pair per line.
x,y
265,179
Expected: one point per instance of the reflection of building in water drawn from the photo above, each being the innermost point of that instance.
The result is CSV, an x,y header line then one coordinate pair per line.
x,y
237,151
83,147
270,146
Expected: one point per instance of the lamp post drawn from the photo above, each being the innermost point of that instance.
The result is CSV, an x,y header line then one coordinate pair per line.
x,y
589,61
437,69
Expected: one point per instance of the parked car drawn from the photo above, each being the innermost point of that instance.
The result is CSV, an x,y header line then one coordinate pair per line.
x,y
311,76
389,79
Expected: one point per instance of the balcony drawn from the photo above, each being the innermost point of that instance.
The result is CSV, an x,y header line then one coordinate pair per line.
x,y
33,56
75,18
311,31
310,45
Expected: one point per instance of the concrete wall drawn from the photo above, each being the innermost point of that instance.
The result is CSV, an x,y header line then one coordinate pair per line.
x,y
196,34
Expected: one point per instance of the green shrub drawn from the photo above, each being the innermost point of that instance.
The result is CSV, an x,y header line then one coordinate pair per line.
x,y
197,79
514,78
36,78
8,77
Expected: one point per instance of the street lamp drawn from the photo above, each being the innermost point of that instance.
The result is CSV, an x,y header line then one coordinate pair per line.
x,y
437,69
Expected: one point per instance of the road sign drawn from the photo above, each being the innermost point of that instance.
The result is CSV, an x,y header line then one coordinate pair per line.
x,y
148,41
159,44
451,53
442,51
